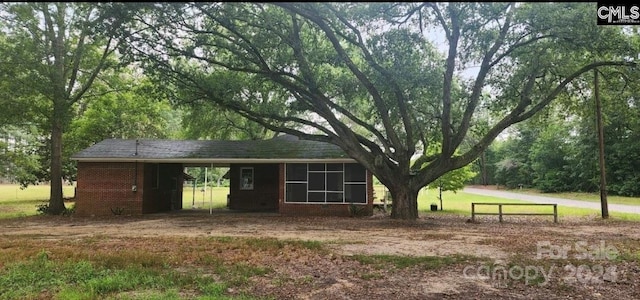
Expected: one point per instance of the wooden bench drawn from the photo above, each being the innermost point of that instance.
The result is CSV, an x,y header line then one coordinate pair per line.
x,y
500,213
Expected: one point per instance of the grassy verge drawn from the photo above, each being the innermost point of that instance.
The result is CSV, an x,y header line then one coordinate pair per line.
x,y
16,202
460,203
13,193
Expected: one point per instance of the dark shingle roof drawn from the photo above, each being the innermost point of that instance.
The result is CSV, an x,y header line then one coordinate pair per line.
x,y
279,148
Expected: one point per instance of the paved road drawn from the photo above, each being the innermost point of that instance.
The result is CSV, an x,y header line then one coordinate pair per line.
x,y
565,202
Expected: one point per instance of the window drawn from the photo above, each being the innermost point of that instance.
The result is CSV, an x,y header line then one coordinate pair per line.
x,y
355,193
355,183
296,172
317,181
325,183
297,191
246,178
354,173
334,181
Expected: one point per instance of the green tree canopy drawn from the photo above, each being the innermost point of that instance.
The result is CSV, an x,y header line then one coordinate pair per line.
x,y
128,107
53,53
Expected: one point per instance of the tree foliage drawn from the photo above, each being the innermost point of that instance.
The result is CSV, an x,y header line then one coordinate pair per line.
x,y
559,151
454,180
550,159
53,53
127,108
19,159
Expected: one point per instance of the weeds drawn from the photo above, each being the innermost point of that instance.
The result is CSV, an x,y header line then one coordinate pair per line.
x,y
629,257
371,276
42,276
43,209
117,211
357,210
270,244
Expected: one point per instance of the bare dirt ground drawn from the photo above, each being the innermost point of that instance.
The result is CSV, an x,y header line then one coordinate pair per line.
x,y
486,251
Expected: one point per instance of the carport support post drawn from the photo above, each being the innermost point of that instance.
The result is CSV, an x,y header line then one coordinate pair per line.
x,y
204,190
193,200
211,197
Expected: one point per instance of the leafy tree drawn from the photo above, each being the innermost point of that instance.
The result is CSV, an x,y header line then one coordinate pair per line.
x,y
453,181
208,121
485,166
549,156
369,78
215,176
128,108
513,168
54,52
562,152
19,160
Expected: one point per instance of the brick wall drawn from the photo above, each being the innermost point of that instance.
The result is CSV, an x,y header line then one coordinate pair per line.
x,y
103,188
263,196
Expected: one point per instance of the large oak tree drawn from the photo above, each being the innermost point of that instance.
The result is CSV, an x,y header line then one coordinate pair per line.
x,y
386,82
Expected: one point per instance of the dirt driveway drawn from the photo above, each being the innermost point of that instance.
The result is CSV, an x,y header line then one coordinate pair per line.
x,y
516,245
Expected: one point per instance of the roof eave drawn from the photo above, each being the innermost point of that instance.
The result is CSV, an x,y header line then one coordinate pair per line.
x,y
217,161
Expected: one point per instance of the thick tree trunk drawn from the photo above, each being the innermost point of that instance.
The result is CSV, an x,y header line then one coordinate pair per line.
x,y
405,202
56,202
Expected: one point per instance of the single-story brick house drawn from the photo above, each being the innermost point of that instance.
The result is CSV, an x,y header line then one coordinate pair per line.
x,y
283,174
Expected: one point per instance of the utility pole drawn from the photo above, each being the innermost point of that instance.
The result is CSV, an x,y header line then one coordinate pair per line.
x,y
603,174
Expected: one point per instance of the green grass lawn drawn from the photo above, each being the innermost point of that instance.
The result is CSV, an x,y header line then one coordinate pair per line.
x,y
460,203
16,202
13,192
202,200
